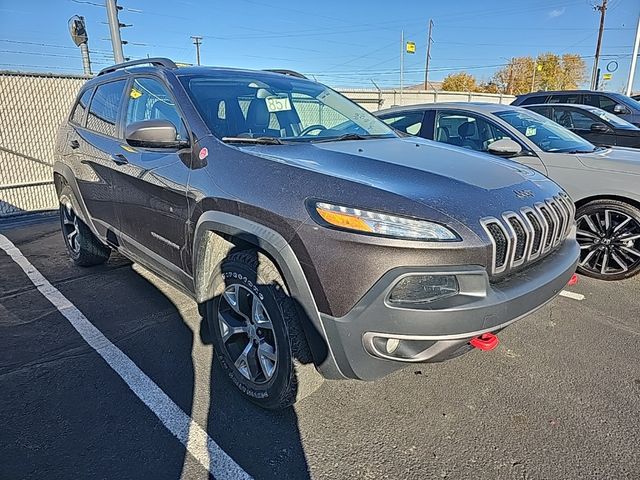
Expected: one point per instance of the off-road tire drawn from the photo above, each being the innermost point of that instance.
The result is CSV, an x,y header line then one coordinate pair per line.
x,y
85,250
295,376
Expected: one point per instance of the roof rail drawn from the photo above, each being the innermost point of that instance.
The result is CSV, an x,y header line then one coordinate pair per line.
x,y
158,62
291,73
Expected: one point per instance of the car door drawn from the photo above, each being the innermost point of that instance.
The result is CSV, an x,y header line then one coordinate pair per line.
x,y
476,132
585,124
150,184
93,140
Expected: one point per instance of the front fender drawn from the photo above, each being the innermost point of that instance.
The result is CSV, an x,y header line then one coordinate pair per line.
x,y
210,248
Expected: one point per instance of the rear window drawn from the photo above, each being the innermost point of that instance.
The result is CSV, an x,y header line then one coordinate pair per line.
x,y
77,116
533,100
103,112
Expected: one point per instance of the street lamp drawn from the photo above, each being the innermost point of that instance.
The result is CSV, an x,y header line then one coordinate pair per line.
x,y
78,31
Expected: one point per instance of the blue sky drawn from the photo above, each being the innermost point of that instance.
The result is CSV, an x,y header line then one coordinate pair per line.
x,y
341,43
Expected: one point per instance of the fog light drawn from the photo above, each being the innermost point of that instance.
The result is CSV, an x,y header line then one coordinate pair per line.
x,y
392,344
421,289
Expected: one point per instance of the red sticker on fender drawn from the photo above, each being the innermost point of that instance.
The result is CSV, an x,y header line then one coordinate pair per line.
x,y
204,153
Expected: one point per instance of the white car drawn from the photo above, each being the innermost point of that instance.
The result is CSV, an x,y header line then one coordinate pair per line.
x,y
604,182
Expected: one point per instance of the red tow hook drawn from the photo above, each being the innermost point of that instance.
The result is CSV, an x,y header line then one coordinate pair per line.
x,y
573,280
485,342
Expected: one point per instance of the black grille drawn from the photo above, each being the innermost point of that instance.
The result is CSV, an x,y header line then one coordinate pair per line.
x,y
500,240
551,224
533,232
521,239
537,233
561,215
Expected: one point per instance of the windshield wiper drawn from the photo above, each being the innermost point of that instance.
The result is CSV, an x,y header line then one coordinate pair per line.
x,y
346,136
256,140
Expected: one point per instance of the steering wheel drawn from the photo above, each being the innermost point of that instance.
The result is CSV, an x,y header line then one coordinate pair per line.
x,y
311,128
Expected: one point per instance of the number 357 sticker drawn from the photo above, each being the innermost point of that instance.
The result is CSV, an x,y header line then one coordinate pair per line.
x,y
278,104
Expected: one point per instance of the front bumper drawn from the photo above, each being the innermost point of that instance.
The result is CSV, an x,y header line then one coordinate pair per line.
x,y
442,329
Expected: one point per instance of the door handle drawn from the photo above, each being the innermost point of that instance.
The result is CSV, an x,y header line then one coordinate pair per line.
x,y
74,144
119,159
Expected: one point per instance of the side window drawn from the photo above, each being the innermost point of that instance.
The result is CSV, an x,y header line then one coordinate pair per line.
x,y
77,116
410,123
565,98
149,100
103,112
605,103
576,119
541,110
467,131
533,100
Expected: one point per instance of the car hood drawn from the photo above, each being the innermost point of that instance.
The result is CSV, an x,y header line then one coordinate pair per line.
x,y
452,180
613,159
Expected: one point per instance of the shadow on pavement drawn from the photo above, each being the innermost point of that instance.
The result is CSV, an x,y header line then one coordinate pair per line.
x,y
66,414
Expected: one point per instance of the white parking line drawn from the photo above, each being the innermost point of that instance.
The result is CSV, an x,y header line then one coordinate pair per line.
x,y
191,435
571,295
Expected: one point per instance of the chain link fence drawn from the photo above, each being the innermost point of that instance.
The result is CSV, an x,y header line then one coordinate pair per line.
x,y
32,107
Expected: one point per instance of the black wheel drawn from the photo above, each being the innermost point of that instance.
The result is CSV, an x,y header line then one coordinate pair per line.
x,y
609,235
82,245
257,334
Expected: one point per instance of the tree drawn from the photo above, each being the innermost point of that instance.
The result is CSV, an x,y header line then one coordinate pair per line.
x,y
488,87
546,72
459,82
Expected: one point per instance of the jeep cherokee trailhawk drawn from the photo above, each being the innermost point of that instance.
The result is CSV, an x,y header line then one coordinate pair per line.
x,y
317,242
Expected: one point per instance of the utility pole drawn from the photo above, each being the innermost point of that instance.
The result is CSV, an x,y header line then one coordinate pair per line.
x,y
401,67
197,41
634,59
426,63
595,74
114,29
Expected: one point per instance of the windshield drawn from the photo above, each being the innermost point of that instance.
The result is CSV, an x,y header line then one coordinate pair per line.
x,y
238,105
628,101
545,133
612,119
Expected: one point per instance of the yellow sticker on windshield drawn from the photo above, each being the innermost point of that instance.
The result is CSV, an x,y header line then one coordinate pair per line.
x,y
135,93
531,131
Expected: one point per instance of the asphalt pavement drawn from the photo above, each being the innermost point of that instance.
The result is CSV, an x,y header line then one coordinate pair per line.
x,y
558,398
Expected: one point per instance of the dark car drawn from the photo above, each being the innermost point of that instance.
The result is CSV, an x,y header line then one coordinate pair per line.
x,y
624,107
314,238
591,123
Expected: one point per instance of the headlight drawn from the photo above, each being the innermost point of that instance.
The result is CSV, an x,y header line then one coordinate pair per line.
x,y
382,224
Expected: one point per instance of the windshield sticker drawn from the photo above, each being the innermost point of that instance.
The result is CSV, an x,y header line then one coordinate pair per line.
x,y
278,104
531,131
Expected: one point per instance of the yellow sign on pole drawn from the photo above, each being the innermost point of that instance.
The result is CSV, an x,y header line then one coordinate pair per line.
x,y
411,47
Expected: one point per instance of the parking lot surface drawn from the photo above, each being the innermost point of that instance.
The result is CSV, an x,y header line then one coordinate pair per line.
x,y
559,397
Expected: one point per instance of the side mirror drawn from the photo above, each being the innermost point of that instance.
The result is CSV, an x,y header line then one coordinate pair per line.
x,y
619,109
598,127
153,134
505,147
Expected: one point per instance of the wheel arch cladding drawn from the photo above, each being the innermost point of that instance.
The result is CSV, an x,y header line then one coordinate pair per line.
x,y
217,233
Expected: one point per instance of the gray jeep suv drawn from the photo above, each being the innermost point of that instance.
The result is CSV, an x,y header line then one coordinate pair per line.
x,y
317,242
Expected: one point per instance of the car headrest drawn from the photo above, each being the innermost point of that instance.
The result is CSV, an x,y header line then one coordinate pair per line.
x,y
258,115
467,129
